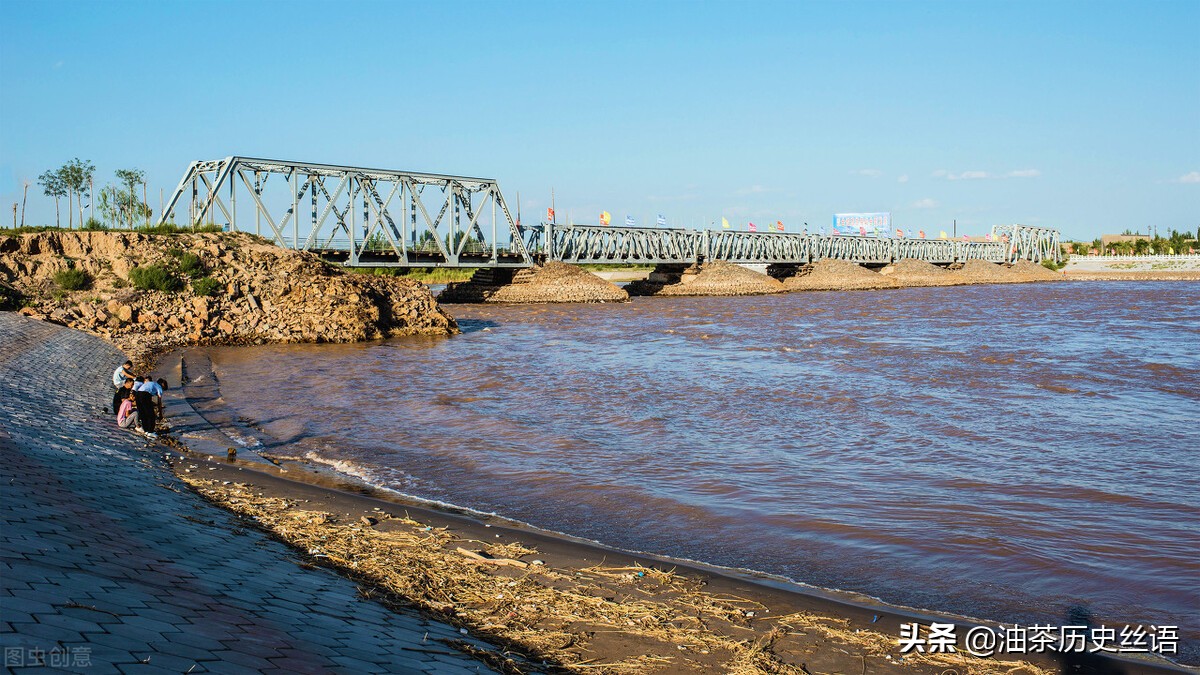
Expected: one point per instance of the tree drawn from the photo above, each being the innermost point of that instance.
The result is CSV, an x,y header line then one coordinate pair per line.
x,y
130,178
114,202
52,186
1141,246
472,243
75,176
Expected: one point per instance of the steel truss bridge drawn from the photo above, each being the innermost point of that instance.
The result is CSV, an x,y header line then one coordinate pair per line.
x,y
590,244
385,218
360,216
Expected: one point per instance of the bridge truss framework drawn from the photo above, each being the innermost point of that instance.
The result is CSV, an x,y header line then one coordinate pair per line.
x,y
385,218
356,215
598,245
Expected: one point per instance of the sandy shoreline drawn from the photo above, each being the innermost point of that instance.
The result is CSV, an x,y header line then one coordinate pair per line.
x,y
674,617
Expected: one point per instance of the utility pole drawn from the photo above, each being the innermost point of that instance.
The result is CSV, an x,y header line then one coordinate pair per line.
x,y
24,198
91,199
15,205
955,235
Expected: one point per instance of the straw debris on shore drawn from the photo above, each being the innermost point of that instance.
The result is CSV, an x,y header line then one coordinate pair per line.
x,y
598,619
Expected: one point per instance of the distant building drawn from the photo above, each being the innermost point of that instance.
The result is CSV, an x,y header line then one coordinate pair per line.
x,y
1106,239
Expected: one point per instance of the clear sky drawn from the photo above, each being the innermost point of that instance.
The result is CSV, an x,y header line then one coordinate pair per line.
x,y
1079,115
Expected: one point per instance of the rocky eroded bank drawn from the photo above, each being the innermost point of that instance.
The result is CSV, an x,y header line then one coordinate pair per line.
x,y
146,293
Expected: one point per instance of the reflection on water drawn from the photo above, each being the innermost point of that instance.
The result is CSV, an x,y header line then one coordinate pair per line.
x,y
1001,451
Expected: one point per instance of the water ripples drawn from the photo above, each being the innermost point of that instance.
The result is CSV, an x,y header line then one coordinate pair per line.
x,y
1000,451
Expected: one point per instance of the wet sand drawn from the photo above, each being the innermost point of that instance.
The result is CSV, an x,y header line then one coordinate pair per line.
x,y
646,614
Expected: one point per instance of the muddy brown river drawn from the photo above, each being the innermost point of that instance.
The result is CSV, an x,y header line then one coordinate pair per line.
x,y
1006,452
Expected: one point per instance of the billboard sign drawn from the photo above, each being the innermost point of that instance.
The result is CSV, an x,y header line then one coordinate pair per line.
x,y
863,224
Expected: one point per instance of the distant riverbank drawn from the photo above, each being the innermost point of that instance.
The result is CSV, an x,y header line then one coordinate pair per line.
x,y
1139,268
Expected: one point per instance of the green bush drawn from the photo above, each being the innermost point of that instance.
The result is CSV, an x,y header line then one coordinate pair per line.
x,y
175,252
189,264
95,225
72,279
172,228
206,286
155,278
31,229
10,298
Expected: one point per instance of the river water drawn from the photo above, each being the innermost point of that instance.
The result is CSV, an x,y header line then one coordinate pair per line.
x,y
1004,451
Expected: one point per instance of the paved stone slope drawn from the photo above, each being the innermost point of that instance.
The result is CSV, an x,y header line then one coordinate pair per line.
x,y
109,564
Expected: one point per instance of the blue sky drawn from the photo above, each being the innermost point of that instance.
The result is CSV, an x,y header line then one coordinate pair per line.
x,y
1079,115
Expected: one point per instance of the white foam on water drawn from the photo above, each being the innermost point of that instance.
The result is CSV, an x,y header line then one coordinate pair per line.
x,y
381,482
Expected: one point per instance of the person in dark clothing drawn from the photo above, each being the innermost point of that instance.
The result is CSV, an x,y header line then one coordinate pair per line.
x,y
147,419
122,393
155,389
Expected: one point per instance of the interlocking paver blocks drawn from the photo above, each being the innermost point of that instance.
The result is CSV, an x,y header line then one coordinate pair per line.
x,y
101,572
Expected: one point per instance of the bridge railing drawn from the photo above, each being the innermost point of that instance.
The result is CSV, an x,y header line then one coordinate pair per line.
x,y
614,245
642,245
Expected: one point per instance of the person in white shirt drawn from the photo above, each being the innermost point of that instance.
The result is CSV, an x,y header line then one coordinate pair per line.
x,y
122,373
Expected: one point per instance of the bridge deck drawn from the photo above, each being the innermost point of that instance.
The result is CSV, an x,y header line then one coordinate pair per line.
x,y
382,217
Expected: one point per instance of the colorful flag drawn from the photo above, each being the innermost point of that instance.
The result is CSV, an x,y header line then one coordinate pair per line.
x,y
987,237
779,225
629,221
725,223
921,234
862,230
549,215
661,221
966,238
943,235
752,227
605,217
900,233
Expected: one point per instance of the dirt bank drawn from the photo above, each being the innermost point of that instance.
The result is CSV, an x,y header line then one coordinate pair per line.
x,y
838,275
1132,275
710,278
549,282
912,272
227,289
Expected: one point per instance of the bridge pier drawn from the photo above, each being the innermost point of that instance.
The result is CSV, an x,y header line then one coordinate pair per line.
x,y
709,278
548,282
785,271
